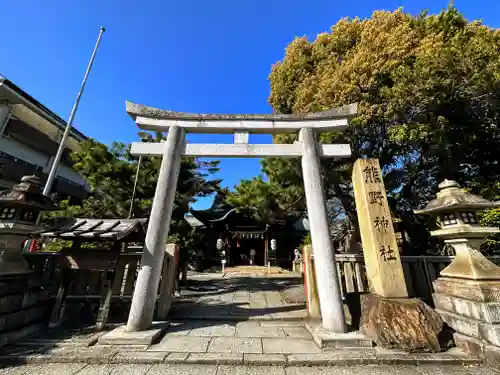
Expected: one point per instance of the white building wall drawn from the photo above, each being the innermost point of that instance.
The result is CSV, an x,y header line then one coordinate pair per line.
x,y
23,152
68,173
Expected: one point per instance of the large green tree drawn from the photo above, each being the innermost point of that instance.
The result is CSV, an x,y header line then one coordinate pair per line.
x,y
110,172
427,89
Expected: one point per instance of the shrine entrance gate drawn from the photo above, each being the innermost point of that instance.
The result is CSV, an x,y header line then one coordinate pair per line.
x,y
177,124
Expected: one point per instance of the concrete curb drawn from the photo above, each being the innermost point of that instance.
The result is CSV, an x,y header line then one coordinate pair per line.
x,y
333,358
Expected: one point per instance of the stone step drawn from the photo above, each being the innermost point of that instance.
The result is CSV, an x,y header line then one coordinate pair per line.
x,y
344,357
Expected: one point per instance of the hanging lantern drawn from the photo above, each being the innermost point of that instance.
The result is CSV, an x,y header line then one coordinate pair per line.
x,y
273,244
220,244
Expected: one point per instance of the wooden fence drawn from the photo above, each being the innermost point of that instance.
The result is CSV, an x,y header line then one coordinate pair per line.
x,y
419,271
92,285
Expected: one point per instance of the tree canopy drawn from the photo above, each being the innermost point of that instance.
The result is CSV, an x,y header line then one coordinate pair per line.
x,y
110,172
427,89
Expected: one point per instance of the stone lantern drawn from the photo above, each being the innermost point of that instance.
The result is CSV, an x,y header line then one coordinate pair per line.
x,y
460,228
467,293
20,209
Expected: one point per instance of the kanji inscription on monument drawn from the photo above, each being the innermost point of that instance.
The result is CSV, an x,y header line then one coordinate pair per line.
x,y
380,249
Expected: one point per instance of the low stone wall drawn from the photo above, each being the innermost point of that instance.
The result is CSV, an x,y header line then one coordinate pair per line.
x,y
24,307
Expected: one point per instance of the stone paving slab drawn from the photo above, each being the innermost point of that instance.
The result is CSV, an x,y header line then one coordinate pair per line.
x,y
254,329
293,314
184,344
289,346
296,332
180,328
235,345
215,329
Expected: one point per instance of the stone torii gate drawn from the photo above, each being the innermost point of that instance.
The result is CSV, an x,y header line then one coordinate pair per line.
x,y
177,124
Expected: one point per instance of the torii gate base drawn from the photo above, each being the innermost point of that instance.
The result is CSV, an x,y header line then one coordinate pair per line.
x,y
144,298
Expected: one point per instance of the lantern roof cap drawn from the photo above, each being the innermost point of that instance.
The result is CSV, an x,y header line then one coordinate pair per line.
x,y
27,193
451,198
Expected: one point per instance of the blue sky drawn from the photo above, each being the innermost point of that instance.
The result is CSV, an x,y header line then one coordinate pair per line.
x,y
187,55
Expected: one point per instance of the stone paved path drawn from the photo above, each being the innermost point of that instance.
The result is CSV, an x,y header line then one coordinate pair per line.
x,y
241,296
82,369
222,323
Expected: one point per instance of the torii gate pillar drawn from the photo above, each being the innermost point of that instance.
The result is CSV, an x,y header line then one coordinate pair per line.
x,y
327,281
148,279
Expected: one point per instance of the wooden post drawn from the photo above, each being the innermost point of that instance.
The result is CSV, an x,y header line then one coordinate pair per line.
x,y
105,303
380,249
128,289
62,292
168,279
266,250
312,299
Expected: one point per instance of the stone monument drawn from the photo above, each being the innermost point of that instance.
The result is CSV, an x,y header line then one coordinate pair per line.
x,y
467,293
24,304
388,316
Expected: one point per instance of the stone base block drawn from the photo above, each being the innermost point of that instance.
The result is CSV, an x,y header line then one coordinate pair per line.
x,y
485,311
13,336
403,323
17,284
327,339
473,347
472,327
474,290
490,354
21,318
119,336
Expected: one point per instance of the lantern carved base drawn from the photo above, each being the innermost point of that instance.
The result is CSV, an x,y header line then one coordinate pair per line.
x,y
470,307
470,263
403,323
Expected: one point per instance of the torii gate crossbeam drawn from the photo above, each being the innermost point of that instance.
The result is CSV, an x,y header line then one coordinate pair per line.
x,y
310,152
